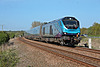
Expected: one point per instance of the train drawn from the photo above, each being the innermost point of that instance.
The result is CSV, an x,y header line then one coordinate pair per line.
x,y
65,31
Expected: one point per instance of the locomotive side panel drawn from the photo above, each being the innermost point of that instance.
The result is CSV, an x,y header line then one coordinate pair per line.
x,y
51,29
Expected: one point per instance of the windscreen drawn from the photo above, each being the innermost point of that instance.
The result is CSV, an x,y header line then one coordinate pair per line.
x,y
71,24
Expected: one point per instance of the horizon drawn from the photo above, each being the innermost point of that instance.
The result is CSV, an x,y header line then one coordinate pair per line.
x,y
38,21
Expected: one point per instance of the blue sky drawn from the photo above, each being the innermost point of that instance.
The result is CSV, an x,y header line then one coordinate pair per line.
x,y
19,14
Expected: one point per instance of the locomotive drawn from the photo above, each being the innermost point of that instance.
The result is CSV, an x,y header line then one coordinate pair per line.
x,y
65,31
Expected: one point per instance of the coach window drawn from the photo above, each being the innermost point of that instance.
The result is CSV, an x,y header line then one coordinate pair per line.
x,y
51,31
60,23
44,31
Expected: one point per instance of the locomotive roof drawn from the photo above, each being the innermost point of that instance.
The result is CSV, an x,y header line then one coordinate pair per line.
x,y
72,18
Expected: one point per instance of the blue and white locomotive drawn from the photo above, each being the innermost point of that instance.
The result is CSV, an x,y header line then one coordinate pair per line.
x,y
64,31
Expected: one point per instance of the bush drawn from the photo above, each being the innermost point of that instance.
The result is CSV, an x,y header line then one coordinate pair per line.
x,y
4,37
8,58
11,35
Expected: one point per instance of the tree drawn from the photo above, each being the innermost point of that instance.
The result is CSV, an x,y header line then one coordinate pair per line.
x,y
35,23
84,30
92,30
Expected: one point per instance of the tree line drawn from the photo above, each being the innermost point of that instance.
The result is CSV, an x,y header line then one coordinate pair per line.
x,y
6,35
92,30
37,23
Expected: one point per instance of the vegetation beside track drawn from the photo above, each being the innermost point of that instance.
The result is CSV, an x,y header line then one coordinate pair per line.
x,y
4,37
13,34
8,58
93,30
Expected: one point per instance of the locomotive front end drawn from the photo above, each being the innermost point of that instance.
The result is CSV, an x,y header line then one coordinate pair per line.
x,y
71,30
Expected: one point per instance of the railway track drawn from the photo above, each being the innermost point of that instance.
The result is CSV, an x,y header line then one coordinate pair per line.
x,y
88,50
75,57
84,49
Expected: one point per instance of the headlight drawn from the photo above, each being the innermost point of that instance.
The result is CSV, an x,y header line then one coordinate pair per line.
x,y
78,33
64,33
